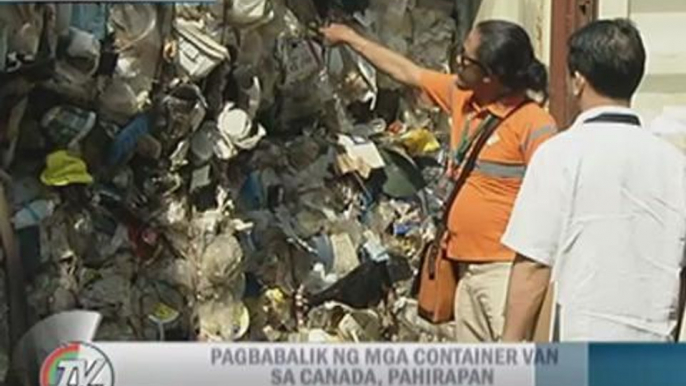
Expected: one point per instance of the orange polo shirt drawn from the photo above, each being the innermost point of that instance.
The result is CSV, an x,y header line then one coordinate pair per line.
x,y
480,213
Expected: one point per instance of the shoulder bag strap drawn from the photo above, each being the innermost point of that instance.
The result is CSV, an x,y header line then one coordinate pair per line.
x,y
476,144
485,130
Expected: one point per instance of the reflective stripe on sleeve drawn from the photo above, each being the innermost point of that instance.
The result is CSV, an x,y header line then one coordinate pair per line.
x,y
499,170
538,133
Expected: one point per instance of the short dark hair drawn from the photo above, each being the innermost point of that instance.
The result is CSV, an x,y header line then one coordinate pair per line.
x,y
506,50
610,54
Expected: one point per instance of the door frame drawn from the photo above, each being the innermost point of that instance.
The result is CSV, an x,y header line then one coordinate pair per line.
x,y
567,17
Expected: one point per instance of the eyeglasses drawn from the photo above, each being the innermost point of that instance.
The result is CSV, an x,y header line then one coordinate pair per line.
x,y
463,61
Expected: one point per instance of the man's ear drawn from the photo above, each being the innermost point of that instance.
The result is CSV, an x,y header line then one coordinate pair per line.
x,y
578,83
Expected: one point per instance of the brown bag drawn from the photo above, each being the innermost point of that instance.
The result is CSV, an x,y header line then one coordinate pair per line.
x,y
438,278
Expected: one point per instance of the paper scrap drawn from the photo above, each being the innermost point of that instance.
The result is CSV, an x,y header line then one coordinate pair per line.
x,y
200,178
361,150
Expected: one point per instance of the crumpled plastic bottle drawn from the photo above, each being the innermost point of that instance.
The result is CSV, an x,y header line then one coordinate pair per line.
x,y
223,319
221,265
33,213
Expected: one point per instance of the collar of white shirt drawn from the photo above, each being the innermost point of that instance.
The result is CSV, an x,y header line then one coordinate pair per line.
x,y
596,111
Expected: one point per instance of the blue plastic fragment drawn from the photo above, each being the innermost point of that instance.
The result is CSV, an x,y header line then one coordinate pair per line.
x,y
125,142
91,18
376,252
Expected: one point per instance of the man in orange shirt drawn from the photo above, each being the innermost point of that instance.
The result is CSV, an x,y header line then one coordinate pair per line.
x,y
496,68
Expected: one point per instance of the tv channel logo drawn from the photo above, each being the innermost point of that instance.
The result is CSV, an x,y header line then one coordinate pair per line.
x,y
77,364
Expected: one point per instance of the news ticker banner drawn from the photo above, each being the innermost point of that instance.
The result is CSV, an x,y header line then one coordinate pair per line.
x,y
258,364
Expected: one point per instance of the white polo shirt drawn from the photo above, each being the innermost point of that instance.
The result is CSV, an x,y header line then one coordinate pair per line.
x,y
604,205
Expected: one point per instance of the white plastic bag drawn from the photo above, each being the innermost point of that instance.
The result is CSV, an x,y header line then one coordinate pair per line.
x,y
244,13
199,54
235,129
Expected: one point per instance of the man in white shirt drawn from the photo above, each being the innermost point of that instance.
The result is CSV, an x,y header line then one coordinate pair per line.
x,y
602,209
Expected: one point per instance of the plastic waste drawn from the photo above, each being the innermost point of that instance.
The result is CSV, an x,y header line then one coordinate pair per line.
x,y
133,23
356,76
125,142
250,13
420,142
162,316
360,155
32,213
107,294
25,40
184,109
243,207
163,309
116,330
139,43
411,327
374,249
198,53
302,59
91,18
250,90
363,287
278,306
345,254
76,68
223,320
404,179
236,127
360,326
83,51
202,143
318,279
220,263
4,32
148,146
118,101
313,336
178,157
63,169
67,125
200,178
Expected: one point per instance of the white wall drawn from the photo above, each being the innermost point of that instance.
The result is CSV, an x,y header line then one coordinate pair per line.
x,y
663,26
533,15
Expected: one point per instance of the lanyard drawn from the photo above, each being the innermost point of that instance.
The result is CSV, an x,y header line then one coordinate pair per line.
x,y
466,141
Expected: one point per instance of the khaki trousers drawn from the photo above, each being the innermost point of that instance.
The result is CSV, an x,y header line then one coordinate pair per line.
x,y
480,301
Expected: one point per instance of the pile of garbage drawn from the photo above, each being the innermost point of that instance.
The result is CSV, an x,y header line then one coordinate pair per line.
x,y
217,171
